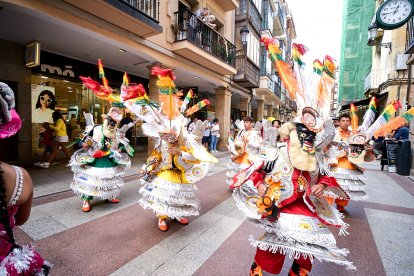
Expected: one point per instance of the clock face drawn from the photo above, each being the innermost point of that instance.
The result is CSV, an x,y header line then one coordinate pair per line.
x,y
394,13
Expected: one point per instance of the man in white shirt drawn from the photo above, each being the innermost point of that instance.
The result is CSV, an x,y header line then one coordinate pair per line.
x,y
206,134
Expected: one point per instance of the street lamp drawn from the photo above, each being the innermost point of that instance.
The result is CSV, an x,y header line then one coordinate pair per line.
x,y
244,31
372,33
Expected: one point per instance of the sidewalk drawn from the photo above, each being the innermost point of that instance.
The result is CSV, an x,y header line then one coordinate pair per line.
x,y
57,178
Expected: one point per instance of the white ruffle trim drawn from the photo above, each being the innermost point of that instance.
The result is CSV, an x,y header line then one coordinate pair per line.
x,y
288,234
99,173
97,192
162,209
175,200
293,251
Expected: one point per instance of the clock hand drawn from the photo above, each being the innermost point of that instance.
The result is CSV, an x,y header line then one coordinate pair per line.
x,y
396,9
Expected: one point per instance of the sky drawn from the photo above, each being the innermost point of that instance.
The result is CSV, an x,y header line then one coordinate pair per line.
x,y
318,25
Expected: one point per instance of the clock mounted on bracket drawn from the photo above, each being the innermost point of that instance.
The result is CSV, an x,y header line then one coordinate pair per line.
x,y
392,14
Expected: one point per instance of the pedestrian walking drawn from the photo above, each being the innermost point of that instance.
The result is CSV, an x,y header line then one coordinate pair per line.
x,y
61,138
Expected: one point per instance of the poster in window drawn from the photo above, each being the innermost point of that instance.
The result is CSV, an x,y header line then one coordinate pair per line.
x,y
43,103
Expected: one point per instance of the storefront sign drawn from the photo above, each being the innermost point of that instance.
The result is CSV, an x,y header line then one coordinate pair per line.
x,y
56,70
71,69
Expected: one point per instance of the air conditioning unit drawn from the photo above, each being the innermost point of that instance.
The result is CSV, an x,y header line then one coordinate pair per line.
x,y
401,63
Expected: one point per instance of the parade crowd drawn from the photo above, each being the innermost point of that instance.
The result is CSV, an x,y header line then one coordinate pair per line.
x,y
291,179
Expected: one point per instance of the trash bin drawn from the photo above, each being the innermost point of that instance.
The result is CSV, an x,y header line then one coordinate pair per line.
x,y
404,157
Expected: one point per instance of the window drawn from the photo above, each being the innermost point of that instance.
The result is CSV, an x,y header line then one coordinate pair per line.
x,y
263,59
253,48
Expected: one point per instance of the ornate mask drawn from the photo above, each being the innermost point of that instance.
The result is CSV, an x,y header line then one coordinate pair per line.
x,y
356,153
169,137
306,138
111,123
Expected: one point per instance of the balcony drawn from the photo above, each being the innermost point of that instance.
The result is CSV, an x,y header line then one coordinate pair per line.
x,y
267,89
278,21
194,38
247,11
248,74
277,90
409,44
140,17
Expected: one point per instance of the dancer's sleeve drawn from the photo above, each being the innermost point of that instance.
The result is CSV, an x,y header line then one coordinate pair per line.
x,y
329,181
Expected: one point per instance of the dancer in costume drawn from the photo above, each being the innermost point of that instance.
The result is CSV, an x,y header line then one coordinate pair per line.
x,y
178,160
105,152
243,147
281,191
350,148
99,165
16,193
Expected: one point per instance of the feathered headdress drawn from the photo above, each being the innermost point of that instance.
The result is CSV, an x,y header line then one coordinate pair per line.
x,y
283,68
132,92
168,95
395,123
171,105
312,95
354,119
369,115
363,136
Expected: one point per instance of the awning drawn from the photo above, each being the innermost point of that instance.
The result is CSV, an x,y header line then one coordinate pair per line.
x,y
363,102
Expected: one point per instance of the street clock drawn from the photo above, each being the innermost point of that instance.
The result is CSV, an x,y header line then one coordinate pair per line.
x,y
392,14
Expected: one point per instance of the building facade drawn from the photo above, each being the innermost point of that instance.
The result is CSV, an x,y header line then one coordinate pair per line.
x,y
47,44
129,36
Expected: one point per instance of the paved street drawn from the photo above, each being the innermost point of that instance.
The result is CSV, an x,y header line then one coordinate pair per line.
x,y
123,239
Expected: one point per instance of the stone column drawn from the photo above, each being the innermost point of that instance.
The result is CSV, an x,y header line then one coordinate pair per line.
x,y
254,114
260,109
223,112
244,106
270,111
153,95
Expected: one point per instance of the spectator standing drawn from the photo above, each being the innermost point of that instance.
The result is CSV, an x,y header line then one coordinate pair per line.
x,y
215,135
206,135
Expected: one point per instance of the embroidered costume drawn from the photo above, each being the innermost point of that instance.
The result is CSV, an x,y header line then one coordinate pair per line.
x,y
105,152
178,160
243,148
350,148
281,191
99,165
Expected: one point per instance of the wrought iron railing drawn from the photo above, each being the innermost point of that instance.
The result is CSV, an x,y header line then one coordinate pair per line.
x,y
247,67
191,28
150,8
